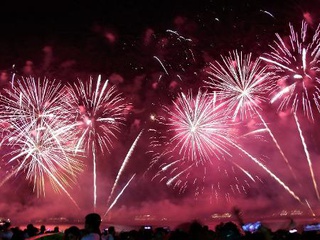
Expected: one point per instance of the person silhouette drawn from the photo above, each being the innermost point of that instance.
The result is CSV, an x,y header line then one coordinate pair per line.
x,y
92,227
42,229
111,233
72,233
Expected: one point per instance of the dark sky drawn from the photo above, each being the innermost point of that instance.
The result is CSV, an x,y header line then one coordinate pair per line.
x,y
27,26
74,15
37,22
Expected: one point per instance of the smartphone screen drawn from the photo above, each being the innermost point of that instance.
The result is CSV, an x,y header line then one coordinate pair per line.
x,y
251,227
312,227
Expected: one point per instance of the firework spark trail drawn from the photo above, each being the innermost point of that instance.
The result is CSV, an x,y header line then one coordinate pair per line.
x,y
155,57
124,164
166,166
119,195
100,113
268,171
277,144
311,210
184,40
94,167
261,130
178,35
12,79
171,180
244,171
278,64
307,155
266,12
56,180
7,177
163,168
296,67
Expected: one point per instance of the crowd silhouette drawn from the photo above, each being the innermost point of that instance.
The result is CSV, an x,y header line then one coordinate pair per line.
x,y
193,230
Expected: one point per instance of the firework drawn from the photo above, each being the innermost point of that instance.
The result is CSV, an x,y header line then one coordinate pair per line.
x,y
39,134
33,100
119,195
100,113
198,128
165,70
192,144
241,83
274,176
305,148
125,161
295,62
176,56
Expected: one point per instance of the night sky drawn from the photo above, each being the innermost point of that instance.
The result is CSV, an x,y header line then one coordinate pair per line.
x,y
119,39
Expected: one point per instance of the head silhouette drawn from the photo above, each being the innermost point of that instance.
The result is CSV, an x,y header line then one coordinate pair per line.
x,y
92,222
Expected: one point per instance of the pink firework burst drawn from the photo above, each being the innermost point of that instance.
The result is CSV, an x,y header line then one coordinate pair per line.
x,y
197,126
295,61
192,145
39,134
99,111
243,84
